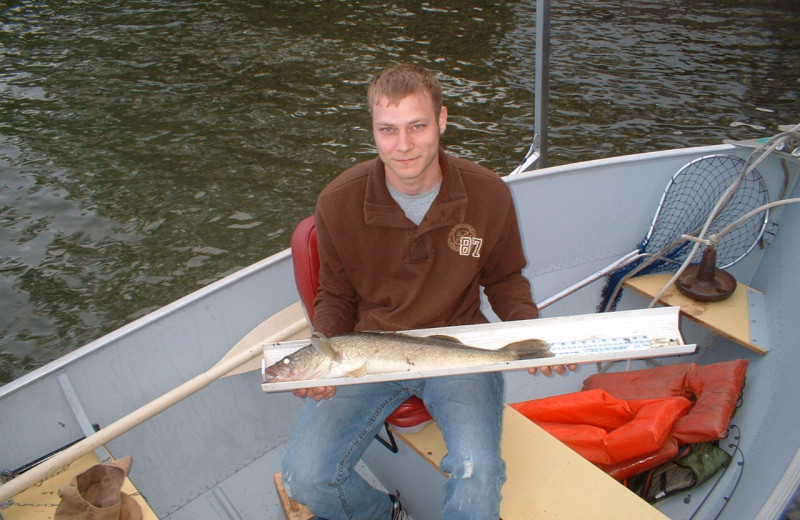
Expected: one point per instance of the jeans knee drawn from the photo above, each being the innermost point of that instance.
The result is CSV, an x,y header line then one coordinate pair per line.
x,y
482,470
302,486
473,489
302,480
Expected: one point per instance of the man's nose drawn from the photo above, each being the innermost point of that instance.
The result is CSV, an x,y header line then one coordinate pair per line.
x,y
404,141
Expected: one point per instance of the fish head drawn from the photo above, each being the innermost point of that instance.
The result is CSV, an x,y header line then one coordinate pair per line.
x,y
306,363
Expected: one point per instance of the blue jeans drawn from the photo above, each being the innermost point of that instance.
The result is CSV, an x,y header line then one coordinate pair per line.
x,y
331,435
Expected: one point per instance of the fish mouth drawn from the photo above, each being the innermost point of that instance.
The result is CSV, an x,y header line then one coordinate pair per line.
x,y
280,374
273,374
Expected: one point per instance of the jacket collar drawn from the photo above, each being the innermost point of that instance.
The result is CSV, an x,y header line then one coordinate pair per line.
x,y
449,207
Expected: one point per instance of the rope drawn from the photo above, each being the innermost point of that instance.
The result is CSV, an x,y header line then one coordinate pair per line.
x,y
713,240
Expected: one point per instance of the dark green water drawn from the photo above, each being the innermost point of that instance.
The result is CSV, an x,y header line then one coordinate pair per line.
x,y
148,148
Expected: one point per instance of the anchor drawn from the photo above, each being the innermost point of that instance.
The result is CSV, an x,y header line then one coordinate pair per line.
x,y
704,282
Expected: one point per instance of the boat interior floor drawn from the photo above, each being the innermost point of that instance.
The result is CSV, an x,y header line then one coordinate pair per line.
x,y
248,493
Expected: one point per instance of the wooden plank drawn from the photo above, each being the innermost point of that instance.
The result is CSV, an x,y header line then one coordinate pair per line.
x,y
587,338
292,509
729,317
40,501
545,478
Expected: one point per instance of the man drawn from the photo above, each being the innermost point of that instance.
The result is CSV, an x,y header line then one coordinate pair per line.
x,y
406,241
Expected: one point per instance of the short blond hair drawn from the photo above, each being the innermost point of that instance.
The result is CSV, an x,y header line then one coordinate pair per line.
x,y
403,80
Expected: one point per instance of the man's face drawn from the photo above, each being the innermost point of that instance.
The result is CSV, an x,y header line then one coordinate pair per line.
x,y
407,138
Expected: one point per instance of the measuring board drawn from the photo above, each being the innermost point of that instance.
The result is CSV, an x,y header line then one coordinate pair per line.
x,y
585,338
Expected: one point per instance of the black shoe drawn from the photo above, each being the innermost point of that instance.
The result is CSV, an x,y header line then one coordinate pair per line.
x,y
398,513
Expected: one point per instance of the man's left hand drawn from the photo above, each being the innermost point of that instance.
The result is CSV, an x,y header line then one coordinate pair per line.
x,y
558,369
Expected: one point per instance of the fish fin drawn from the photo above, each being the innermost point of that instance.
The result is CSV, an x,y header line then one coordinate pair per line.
x,y
322,343
446,338
529,349
358,372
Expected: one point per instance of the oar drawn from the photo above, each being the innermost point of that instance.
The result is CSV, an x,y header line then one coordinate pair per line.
x,y
290,320
284,325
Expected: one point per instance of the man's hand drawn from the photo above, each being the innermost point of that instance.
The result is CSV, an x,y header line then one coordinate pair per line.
x,y
548,371
317,393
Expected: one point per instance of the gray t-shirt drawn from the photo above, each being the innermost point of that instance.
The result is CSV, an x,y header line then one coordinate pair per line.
x,y
415,206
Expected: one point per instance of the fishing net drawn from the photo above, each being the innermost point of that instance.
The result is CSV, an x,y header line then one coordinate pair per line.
x,y
688,202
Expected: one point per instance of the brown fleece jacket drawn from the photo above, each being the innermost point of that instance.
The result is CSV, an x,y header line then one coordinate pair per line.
x,y
380,271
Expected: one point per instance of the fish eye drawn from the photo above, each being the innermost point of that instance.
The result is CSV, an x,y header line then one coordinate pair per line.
x,y
286,361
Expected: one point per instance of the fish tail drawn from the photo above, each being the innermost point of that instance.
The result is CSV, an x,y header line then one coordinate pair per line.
x,y
529,349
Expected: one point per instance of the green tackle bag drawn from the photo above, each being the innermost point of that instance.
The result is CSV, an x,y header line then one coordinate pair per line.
x,y
695,464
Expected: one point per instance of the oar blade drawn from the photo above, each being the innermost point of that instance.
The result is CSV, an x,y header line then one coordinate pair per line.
x,y
287,324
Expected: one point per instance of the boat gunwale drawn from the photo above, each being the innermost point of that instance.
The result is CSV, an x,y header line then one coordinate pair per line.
x,y
577,167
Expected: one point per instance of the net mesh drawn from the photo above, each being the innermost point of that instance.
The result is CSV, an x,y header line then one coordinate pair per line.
x,y
686,205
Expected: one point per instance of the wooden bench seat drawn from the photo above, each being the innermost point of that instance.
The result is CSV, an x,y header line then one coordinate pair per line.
x,y
741,317
546,479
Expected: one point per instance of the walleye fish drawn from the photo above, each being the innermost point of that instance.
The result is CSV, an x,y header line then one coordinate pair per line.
x,y
360,353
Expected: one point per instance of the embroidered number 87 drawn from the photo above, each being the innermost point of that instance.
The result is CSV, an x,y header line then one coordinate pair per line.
x,y
470,246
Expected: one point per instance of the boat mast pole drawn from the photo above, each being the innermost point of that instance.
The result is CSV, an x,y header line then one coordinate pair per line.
x,y
537,154
542,81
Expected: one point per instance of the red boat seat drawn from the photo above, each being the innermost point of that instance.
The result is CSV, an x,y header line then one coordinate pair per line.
x,y
408,417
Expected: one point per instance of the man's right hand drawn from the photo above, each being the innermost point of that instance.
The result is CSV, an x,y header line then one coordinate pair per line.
x,y
317,393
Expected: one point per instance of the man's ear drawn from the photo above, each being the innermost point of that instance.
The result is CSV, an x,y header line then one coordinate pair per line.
x,y
442,120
